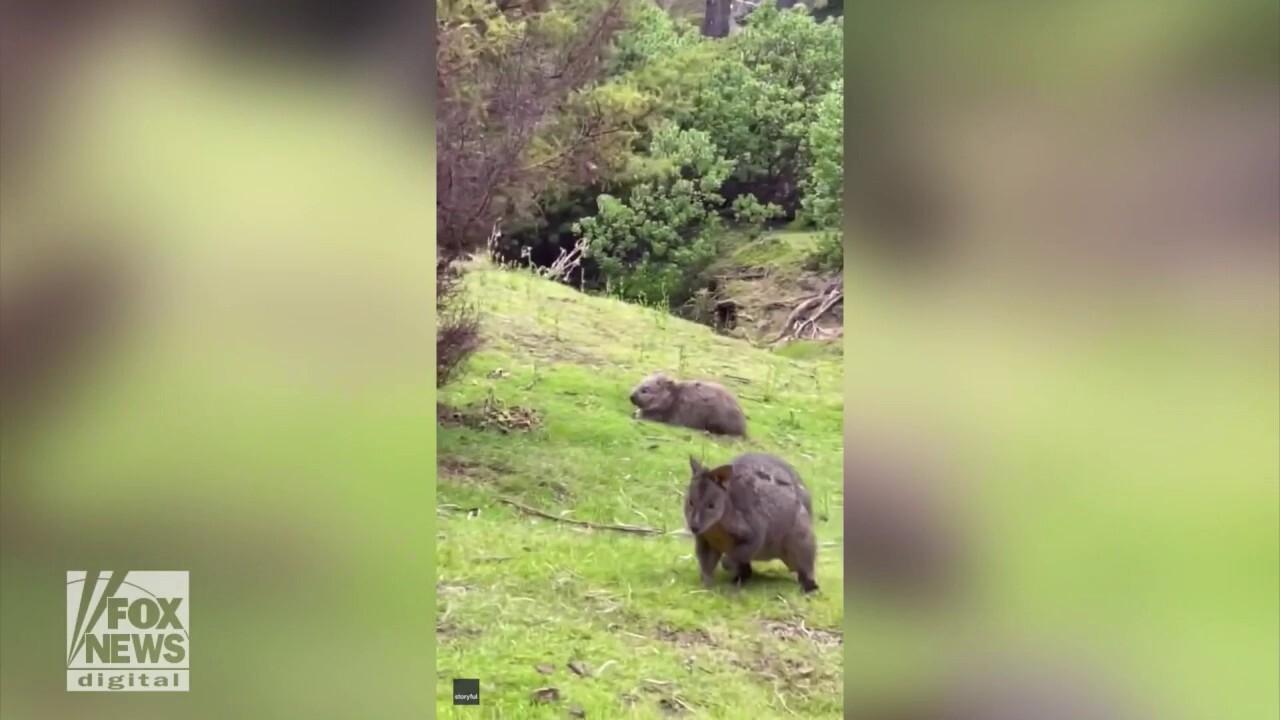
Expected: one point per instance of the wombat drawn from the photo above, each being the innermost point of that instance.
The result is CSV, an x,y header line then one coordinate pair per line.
x,y
753,509
696,404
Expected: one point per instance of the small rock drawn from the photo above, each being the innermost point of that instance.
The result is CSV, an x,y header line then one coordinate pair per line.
x,y
576,711
546,695
579,667
546,668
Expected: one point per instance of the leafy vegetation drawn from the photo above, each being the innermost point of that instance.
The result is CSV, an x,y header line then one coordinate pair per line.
x,y
714,134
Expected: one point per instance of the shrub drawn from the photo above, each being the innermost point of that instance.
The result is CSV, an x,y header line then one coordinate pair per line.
x,y
504,85
652,244
760,96
824,185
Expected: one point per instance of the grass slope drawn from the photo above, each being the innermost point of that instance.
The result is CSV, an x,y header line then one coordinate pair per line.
x,y
516,592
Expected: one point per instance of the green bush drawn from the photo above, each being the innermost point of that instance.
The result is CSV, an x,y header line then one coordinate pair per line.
x,y
739,130
651,34
760,96
823,187
653,243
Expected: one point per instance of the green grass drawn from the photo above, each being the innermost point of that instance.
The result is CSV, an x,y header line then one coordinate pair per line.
x,y
810,349
515,591
781,251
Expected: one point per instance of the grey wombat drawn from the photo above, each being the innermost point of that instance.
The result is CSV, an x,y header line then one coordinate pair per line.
x,y
696,404
754,508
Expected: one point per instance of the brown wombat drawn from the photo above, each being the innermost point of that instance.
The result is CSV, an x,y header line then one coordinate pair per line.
x,y
753,509
696,404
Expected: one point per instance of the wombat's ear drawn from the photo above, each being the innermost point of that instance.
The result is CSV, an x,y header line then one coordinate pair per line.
x,y
694,465
722,474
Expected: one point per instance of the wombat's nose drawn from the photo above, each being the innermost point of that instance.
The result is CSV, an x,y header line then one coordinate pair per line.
x,y
633,397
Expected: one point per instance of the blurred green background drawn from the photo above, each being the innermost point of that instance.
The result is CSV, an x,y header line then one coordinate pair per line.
x,y
258,412
1090,321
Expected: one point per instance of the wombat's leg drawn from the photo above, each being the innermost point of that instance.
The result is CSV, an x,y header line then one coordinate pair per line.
x,y
808,584
707,559
801,560
740,557
733,569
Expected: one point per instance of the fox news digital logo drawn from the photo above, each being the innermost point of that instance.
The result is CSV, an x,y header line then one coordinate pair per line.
x,y
127,631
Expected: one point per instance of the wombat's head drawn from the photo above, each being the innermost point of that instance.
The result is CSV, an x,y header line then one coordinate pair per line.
x,y
654,392
708,496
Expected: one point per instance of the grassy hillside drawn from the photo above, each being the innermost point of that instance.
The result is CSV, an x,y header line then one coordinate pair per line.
x,y
542,419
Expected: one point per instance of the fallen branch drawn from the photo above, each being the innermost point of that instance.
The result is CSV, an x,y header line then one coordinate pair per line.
x,y
797,322
633,529
795,314
834,294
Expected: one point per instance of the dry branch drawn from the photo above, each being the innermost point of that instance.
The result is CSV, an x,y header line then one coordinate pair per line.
x,y
567,262
803,319
633,529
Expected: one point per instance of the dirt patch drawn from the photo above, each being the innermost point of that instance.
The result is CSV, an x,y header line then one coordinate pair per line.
x,y
490,414
456,468
498,476
666,695
795,669
793,673
793,631
670,706
684,638
448,631
765,303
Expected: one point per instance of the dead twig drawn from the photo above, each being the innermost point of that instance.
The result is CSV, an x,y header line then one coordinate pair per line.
x,y
567,262
633,529
832,296
798,322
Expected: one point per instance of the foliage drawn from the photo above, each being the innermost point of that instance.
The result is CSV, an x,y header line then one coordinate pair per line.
x,y
701,133
824,185
748,210
760,97
762,102
512,124
650,34
828,255
653,243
